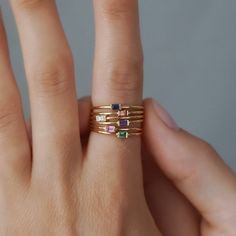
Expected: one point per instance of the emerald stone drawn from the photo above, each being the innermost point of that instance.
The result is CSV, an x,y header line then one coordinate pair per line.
x,y
122,134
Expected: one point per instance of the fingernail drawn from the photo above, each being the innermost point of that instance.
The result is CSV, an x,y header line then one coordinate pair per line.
x,y
164,115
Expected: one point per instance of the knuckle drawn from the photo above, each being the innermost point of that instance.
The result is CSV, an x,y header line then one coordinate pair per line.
x,y
125,81
118,196
52,82
53,77
29,3
111,199
8,114
66,143
11,165
116,8
115,203
206,149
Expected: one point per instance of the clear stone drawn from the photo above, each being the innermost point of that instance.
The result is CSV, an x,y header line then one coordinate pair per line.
x,y
101,118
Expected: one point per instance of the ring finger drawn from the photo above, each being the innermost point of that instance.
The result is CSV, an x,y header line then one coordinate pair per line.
x,y
117,78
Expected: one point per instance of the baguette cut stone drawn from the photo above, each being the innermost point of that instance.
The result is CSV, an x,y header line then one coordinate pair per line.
x,y
123,113
110,129
123,123
116,107
123,134
101,118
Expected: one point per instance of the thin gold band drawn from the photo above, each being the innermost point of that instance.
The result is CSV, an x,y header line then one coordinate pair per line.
x,y
121,106
121,118
115,112
116,122
117,134
117,119
117,128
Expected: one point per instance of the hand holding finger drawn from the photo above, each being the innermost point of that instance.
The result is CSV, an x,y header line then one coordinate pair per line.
x,y
71,192
195,168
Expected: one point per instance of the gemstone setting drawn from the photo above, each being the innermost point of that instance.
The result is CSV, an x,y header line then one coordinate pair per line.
x,y
116,107
123,123
101,118
110,128
123,113
122,134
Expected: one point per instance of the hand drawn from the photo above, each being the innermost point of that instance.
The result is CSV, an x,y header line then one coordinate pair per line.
x,y
189,189
49,185
200,196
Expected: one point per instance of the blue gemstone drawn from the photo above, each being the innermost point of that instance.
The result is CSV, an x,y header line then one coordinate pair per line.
x,y
115,107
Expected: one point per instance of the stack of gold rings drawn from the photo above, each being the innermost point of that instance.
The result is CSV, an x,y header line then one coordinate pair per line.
x,y
117,119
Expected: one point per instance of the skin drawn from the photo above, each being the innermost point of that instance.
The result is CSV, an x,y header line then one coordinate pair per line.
x,y
57,179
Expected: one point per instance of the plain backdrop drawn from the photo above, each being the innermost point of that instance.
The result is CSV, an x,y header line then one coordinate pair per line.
x,y
190,61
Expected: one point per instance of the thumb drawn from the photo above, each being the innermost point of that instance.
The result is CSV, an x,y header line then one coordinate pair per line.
x,y
192,164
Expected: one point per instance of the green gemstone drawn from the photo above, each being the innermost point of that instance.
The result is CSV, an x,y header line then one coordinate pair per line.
x,y
122,134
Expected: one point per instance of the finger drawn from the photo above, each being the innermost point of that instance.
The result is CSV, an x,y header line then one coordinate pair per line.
x,y
84,107
14,146
173,213
194,167
50,74
117,79
118,68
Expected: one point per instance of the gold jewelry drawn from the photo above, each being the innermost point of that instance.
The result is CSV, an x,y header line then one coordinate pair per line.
x,y
117,119
117,107
104,118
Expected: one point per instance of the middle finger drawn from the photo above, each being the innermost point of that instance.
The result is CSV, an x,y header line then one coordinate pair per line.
x,y
50,74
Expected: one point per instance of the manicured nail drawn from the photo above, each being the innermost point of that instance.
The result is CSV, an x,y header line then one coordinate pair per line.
x,y
164,115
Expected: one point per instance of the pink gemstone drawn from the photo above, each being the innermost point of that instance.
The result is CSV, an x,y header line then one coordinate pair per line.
x,y
110,129
123,113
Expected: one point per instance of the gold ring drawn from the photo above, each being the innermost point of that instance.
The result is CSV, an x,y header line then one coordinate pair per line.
x,y
120,120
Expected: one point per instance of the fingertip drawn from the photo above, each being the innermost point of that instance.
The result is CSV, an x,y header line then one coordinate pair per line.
x,y
158,123
164,115
168,144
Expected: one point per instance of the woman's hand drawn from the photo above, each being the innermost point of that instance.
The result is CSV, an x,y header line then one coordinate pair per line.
x,y
200,196
189,189
49,185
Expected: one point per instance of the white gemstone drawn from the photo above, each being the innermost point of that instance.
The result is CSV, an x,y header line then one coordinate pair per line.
x,y
101,118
